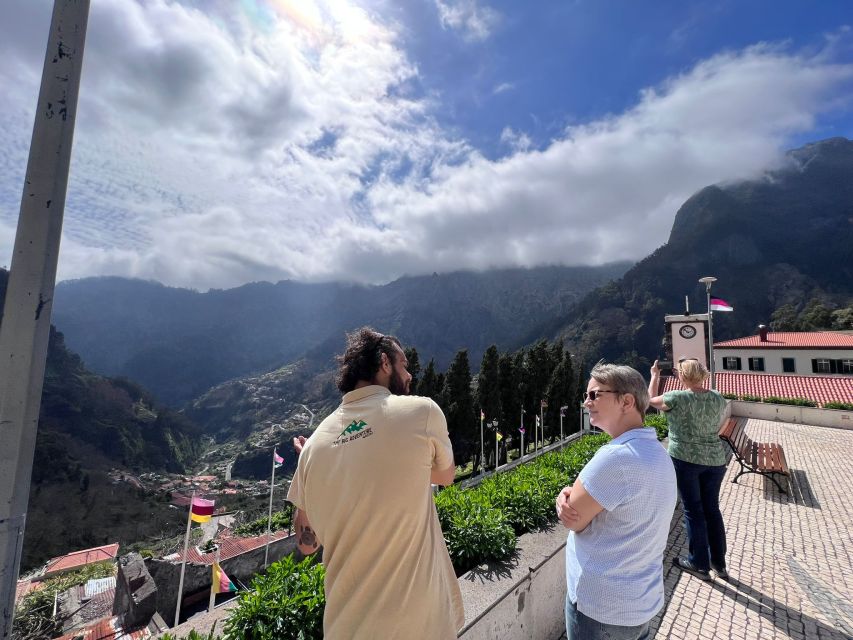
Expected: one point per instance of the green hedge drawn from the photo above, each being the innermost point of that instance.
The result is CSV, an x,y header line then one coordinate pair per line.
x,y
285,603
480,524
750,398
844,406
658,421
797,402
280,520
729,396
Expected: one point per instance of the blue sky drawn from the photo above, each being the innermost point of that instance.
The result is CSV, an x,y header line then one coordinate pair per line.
x,y
225,141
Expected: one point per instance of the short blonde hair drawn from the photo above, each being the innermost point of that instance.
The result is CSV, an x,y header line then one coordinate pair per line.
x,y
692,371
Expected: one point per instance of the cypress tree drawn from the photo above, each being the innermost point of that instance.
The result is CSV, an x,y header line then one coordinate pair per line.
x,y
459,408
414,369
428,385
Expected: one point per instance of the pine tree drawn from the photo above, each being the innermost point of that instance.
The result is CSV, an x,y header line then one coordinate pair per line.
x,y
428,385
414,369
488,392
459,408
537,373
561,388
583,381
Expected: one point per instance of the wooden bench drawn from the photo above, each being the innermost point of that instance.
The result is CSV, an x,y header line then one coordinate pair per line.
x,y
764,458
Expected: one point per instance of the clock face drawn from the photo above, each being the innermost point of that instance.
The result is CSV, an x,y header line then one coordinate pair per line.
x,y
687,331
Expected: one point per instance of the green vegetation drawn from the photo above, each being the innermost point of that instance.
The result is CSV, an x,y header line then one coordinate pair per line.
x,y
797,402
729,396
481,524
280,520
658,421
34,615
285,603
750,398
844,406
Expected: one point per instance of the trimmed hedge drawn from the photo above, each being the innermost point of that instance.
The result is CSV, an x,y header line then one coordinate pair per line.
x,y
480,524
797,402
750,398
658,421
844,406
280,520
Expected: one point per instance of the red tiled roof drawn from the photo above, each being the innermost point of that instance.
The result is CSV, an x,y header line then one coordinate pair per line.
x,y
82,558
821,389
228,548
792,340
107,629
24,587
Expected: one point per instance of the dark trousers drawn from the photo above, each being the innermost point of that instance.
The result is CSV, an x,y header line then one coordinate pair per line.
x,y
699,488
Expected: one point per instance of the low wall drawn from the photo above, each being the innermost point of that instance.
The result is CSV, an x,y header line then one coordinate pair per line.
x,y
197,577
833,418
533,607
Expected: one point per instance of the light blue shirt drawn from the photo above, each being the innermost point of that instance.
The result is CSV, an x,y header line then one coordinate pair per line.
x,y
614,567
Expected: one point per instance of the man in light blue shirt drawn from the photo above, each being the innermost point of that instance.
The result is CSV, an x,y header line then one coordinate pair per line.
x,y
619,511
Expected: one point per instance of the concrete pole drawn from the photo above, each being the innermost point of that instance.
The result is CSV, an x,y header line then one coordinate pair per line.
x,y
710,338
25,326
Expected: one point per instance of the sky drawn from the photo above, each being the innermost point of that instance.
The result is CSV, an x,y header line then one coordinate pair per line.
x,y
220,142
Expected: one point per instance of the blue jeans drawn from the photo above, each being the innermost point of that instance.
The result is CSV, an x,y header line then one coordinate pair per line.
x,y
582,627
699,488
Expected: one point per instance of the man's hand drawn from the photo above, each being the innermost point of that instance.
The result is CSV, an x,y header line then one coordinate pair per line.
x,y
299,444
565,512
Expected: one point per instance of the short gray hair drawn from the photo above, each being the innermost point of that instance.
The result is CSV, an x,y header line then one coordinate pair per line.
x,y
623,380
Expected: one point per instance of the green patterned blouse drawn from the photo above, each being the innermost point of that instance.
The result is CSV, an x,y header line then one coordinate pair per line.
x,y
694,421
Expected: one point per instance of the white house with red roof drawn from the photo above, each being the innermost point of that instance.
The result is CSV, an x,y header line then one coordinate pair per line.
x,y
801,353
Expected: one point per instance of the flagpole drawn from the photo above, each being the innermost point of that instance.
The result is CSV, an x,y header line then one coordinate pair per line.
x,y
269,517
496,450
522,432
542,422
562,411
482,453
213,579
184,562
708,281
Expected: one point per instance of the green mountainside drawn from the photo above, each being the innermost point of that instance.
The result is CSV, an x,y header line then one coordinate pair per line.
x,y
89,425
179,343
782,240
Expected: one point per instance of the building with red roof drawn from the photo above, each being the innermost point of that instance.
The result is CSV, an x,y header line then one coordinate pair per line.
x,y
78,559
820,389
228,548
800,353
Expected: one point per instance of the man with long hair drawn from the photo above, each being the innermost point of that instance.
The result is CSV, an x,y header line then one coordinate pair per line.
x,y
362,492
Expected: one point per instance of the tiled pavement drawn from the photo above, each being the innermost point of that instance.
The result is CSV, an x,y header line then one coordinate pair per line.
x,y
790,557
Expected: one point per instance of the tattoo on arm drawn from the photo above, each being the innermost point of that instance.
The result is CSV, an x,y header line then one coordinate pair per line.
x,y
307,537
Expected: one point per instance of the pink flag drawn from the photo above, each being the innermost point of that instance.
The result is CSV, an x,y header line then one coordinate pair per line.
x,y
277,459
720,305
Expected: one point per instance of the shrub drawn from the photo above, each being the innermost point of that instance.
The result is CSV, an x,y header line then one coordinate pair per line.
x,y
750,398
285,603
844,406
194,635
480,524
797,402
729,396
658,421
280,520
473,531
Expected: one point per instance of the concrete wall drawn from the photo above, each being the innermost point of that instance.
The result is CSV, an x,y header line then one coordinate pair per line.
x,y
798,415
198,577
534,607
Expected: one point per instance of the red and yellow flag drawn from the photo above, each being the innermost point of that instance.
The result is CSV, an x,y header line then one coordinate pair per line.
x,y
201,510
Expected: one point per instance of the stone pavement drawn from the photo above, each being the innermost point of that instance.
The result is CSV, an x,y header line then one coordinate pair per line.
x,y
790,557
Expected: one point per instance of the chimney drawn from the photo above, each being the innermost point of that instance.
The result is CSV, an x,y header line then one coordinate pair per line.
x,y
762,332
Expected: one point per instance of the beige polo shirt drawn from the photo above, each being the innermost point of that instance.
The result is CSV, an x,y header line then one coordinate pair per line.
x,y
364,481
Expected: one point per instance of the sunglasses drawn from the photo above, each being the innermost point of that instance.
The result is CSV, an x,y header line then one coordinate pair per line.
x,y
592,395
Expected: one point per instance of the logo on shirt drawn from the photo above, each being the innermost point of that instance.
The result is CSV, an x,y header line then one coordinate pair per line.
x,y
355,430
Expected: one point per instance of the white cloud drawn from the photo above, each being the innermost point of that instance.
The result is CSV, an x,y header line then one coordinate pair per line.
x,y
217,148
476,22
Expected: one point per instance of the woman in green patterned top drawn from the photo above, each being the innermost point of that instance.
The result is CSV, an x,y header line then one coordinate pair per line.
x,y
699,456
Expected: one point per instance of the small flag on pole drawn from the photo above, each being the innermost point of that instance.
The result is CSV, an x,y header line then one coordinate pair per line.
x,y
543,404
221,582
522,430
720,305
499,435
277,459
537,421
201,510
563,412
482,415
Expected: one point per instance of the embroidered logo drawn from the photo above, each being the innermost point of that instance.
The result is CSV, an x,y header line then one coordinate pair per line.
x,y
355,430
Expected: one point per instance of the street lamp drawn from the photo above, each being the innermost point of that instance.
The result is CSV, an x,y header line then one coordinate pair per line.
x,y
708,281
563,410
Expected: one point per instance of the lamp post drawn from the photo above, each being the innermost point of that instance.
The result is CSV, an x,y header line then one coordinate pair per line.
x,y
563,410
708,281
